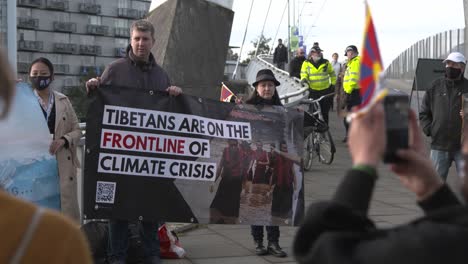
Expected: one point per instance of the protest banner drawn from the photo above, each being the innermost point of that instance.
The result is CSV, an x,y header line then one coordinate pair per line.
x,y
27,170
151,156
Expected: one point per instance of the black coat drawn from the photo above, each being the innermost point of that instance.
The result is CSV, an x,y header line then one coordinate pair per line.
x,y
281,54
295,67
339,231
440,113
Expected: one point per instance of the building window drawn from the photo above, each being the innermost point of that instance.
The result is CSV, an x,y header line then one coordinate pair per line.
x,y
121,43
124,4
121,23
55,58
87,40
94,20
61,38
24,34
24,12
24,57
61,16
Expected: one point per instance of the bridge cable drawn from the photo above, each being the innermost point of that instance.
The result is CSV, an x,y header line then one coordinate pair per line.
x,y
315,22
278,28
263,28
243,41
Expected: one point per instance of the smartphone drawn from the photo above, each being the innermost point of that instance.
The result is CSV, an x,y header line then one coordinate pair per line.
x,y
396,108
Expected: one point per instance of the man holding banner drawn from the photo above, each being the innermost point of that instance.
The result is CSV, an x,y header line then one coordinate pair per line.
x,y
138,69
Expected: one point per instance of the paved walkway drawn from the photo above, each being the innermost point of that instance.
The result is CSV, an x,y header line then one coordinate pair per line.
x,y
391,205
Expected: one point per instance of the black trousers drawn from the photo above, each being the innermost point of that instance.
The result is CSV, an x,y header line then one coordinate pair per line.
x,y
326,103
273,233
352,100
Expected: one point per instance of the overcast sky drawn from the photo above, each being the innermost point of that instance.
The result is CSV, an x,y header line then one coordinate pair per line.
x,y
338,23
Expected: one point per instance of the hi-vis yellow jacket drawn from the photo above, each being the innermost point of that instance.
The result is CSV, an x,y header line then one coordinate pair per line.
x,y
351,76
318,78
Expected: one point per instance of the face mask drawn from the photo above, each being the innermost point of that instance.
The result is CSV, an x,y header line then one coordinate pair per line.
x,y
452,73
316,58
40,82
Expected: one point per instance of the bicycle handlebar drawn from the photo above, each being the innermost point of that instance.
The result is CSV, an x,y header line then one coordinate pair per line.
x,y
311,101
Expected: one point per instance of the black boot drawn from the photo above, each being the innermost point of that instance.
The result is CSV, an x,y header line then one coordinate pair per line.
x,y
275,250
260,250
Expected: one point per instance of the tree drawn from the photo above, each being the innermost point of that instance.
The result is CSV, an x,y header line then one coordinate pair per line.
x,y
78,96
263,47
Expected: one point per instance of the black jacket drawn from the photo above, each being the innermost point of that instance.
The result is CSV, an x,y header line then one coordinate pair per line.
x,y
281,54
339,231
295,67
440,113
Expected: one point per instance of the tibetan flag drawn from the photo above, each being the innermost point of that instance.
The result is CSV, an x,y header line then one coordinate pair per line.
x,y
226,94
371,63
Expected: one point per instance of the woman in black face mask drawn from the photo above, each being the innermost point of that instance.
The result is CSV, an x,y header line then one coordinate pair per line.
x,y
64,129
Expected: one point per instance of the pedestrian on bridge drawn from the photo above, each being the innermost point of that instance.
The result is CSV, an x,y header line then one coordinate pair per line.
x,y
280,56
296,64
319,74
440,114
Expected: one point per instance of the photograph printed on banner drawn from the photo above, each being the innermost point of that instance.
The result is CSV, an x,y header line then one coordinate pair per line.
x,y
259,180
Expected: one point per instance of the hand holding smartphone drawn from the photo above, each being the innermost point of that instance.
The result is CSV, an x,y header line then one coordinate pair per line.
x,y
396,107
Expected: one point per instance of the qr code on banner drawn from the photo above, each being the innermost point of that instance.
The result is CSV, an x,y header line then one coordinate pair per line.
x,y
105,192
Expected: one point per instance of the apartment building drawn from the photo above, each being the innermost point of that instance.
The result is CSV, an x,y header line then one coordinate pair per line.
x,y
78,36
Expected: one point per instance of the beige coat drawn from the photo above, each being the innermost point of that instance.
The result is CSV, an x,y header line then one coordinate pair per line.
x,y
66,125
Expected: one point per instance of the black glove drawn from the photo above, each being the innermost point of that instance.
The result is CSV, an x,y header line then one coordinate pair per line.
x,y
304,82
332,88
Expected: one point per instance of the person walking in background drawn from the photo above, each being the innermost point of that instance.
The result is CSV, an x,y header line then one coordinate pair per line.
x,y
337,67
296,63
340,93
440,114
280,56
63,126
266,94
336,64
351,82
31,234
318,73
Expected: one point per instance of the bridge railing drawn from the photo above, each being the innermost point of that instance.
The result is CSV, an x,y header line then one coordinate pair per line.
x,y
291,91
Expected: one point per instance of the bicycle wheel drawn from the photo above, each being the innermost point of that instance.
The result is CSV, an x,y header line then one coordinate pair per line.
x,y
326,147
307,155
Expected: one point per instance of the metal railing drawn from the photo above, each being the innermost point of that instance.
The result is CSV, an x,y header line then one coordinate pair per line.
x,y
89,8
437,46
291,91
28,23
69,27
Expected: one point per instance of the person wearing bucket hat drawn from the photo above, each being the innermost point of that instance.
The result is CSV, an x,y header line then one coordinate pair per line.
x,y
441,114
319,75
266,94
265,89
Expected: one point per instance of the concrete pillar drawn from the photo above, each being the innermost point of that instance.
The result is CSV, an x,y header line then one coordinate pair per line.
x,y
192,39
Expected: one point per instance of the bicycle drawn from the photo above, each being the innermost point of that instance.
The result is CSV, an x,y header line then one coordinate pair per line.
x,y
318,142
